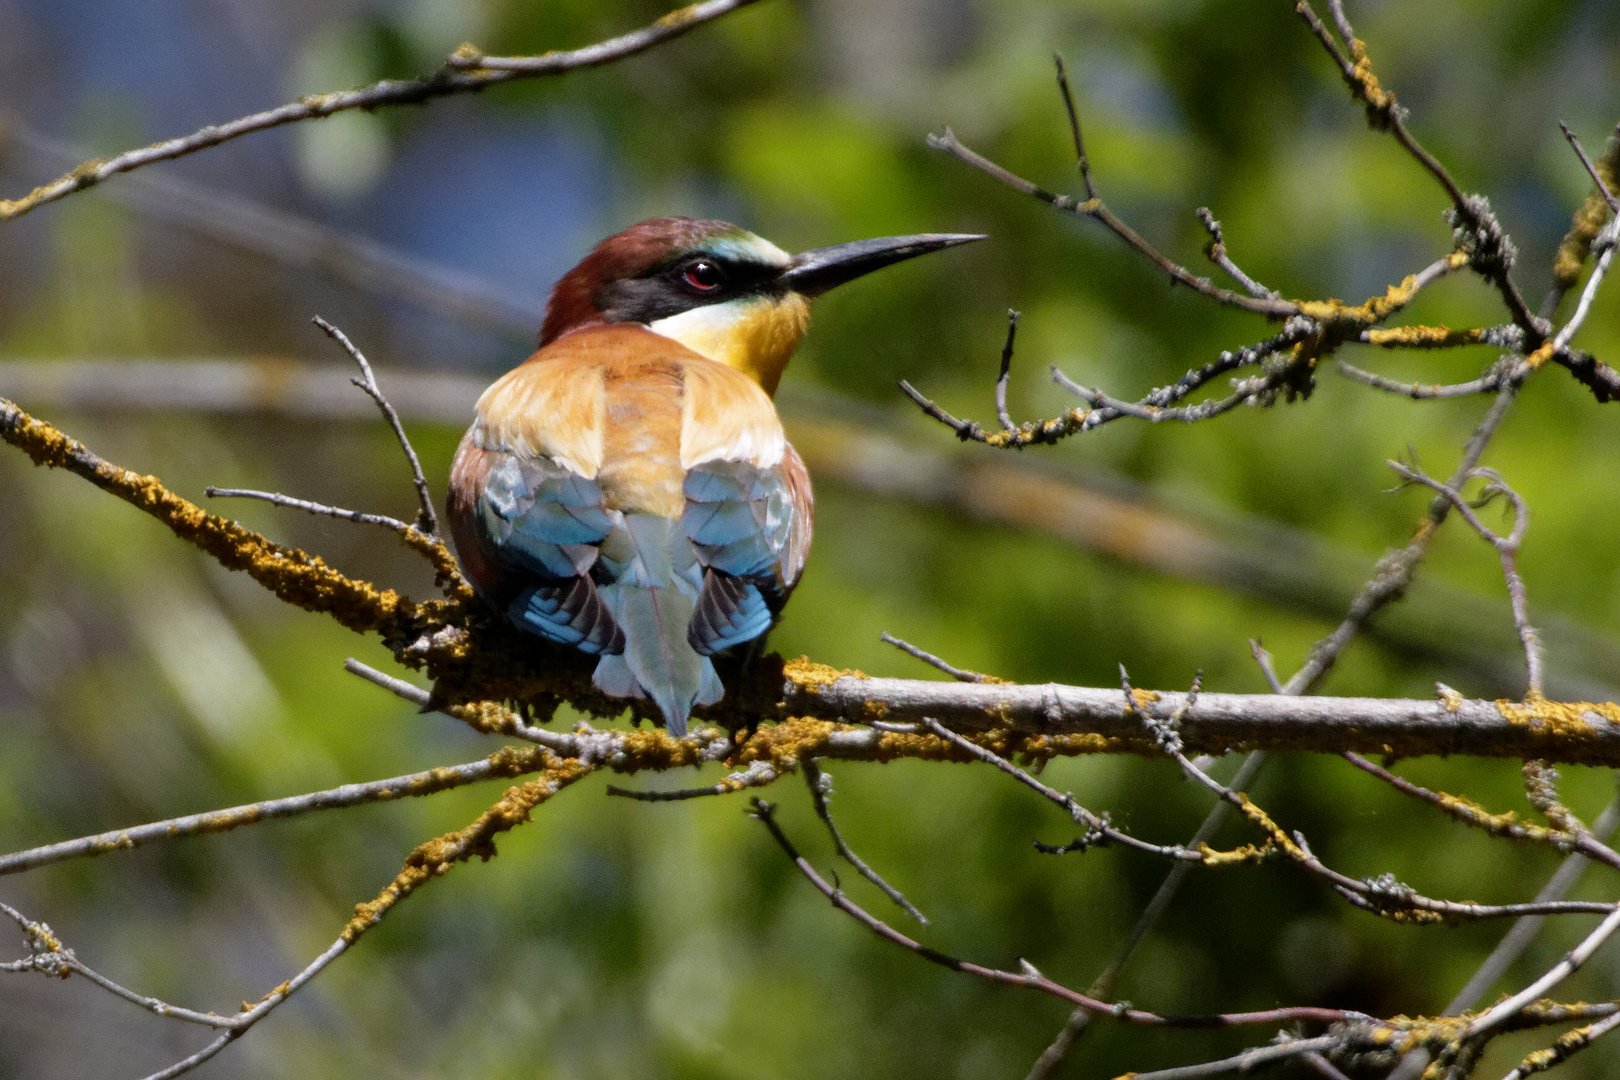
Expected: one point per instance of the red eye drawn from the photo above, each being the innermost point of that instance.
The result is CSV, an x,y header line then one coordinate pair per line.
x,y
704,275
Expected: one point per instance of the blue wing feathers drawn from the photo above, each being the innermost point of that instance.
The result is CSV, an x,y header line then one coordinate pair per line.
x,y
730,612
652,597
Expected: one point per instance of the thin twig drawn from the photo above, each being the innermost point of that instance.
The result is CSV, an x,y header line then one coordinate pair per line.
x,y
1394,572
1591,169
1568,1045
1247,1061
672,25
1080,160
1507,548
1514,942
1490,251
1488,383
427,521
503,764
678,795
277,499
48,956
1313,1059
959,674
1262,659
820,785
1094,208
1572,962
505,722
1098,829
1006,370
1216,250
1504,825
441,83
1346,31
1030,978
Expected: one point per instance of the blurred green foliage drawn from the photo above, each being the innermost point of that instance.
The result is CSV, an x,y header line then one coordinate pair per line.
x,y
617,939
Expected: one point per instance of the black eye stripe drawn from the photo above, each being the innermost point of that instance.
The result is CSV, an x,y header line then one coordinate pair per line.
x,y
705,275
664,290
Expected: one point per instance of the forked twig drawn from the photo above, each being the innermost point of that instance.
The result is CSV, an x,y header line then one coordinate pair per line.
x,y
427,521
1029,977
820,785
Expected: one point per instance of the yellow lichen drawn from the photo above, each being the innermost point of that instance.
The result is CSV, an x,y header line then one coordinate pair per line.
x,y
1423,337
1565,718
807,673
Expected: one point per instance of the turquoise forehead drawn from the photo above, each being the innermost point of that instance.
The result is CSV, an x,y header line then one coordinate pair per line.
x,y
744,246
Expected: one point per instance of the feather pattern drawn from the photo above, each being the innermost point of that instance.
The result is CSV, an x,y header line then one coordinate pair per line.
x,y
625,496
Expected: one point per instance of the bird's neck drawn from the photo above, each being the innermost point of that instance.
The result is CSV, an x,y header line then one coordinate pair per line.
x,y
756,335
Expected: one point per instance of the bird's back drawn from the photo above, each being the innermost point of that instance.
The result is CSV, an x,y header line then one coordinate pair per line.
x,y
624,495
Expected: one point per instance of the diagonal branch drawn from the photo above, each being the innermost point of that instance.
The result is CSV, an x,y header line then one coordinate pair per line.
x,y
468,71
1029,978
505,763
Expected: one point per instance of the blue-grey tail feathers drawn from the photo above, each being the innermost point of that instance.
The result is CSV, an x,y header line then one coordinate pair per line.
x,y
656,581
629,587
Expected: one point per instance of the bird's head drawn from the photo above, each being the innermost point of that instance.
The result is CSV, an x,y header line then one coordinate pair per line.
x,y
717,289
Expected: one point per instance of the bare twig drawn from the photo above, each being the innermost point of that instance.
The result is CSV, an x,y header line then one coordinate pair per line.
x,y
277,499
427,521
1249,1060
485,72
1006,370
1262,660
679,795
1080,160
1348,33
1504,825
820,786
1488,383
1314,1060
1591,169
1514,943
502,764
1103,986
1216,250
1507,548
1098,830
48,956
1572,962
1029,978
959,674
670,26
1154,406
1395,571
1093,207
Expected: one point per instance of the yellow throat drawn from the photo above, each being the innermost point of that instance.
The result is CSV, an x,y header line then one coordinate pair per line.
x,y
755,334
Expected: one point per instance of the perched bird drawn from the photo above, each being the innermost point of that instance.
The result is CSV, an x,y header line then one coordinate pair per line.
x,y
627,490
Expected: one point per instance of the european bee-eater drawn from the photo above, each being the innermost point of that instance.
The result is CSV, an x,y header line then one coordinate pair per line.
x,y
627,490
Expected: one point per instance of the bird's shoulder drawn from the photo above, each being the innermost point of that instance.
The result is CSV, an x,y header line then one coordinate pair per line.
x,y
560,402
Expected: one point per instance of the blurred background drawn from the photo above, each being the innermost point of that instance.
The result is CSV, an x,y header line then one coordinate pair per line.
x,y
616,939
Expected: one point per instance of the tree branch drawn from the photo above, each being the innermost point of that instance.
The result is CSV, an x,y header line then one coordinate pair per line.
x,y
469,71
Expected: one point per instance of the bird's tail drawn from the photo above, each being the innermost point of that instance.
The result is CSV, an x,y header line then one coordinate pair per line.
x,y
655,584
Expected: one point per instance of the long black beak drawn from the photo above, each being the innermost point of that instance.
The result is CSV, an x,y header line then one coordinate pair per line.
x,y
812,273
